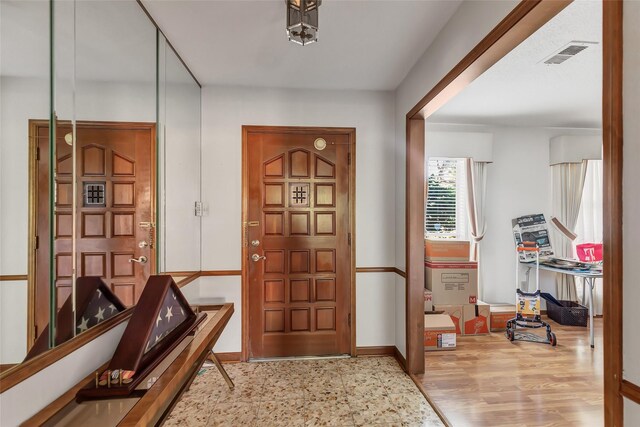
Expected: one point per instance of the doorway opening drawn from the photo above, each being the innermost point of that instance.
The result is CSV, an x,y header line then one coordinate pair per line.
x,y
523,21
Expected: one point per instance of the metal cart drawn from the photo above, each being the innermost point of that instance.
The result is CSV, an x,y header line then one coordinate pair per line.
x,y
528,305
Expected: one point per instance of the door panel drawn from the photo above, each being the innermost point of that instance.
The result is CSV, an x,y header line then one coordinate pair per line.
x,y
299,294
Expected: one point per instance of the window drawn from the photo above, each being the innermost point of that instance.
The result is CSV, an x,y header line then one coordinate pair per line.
x,y
446,213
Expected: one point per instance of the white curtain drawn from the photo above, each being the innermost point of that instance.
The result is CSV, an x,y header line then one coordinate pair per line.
x,y
476,197
590,222
568,183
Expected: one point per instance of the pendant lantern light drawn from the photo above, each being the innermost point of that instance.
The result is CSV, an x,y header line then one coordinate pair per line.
x,y
302,21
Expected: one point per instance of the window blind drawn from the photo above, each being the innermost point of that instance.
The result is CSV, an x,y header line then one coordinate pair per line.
x,y
446,211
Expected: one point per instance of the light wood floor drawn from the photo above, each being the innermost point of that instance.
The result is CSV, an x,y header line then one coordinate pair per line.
x,y
489,381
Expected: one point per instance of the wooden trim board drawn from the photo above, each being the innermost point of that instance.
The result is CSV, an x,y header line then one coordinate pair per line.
x,y
414,244
208,273
181,273
389,350
186,280
400,358
630,390
524,20
13,277
230,357
375,269
381,270
612,135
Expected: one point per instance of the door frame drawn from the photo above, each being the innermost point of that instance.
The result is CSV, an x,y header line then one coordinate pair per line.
x,y
246,130
34,124
526,18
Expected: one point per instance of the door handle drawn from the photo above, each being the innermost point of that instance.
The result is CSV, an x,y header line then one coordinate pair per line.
x,y
256,257
141,260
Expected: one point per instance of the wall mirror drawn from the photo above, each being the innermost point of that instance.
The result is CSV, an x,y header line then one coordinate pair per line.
x,y
100,127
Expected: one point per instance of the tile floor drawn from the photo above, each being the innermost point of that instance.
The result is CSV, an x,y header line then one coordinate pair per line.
x,y
335,392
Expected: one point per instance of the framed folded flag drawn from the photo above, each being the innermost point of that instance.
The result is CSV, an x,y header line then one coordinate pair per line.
x,y
160,321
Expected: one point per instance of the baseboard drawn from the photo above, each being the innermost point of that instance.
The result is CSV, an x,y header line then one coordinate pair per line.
x,y
400,358
376,351
231,357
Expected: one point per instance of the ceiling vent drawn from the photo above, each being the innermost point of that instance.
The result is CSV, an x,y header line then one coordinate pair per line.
x,y
568,51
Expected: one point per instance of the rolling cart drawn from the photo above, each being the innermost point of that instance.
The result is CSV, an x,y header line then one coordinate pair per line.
x,y
528,305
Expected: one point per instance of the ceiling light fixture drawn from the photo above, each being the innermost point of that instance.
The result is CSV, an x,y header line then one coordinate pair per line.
x,y
302,21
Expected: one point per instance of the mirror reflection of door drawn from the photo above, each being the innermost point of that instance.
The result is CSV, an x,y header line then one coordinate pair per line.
x,y
115,234
299,267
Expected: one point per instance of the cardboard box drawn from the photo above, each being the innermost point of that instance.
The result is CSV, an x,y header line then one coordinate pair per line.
x,y
446,250
500,315
452,283
477,319
439,332
455,312
428,300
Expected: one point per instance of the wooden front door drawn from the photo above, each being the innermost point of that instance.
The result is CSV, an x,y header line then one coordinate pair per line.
x,y
115,200
297,238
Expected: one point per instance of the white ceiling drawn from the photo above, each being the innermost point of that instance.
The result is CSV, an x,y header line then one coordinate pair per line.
x,y
362,44
522,91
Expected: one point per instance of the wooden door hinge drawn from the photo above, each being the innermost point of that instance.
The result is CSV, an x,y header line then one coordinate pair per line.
x,y
348,158
37,153
37,242
349,319
349,239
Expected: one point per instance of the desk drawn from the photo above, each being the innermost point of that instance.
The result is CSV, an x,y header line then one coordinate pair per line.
x,y
590,280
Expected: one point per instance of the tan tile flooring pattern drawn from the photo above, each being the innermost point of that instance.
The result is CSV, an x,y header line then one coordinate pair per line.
x,y
360,391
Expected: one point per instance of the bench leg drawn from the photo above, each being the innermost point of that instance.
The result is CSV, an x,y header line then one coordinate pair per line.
x,y
223,372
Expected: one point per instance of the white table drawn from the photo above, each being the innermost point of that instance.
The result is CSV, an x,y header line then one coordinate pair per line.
x,y
589,280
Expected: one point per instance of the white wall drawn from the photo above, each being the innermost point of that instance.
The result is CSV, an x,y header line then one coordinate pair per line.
x,y
471,23
13,321
631,413
224,111
20,100
375,311
631,204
